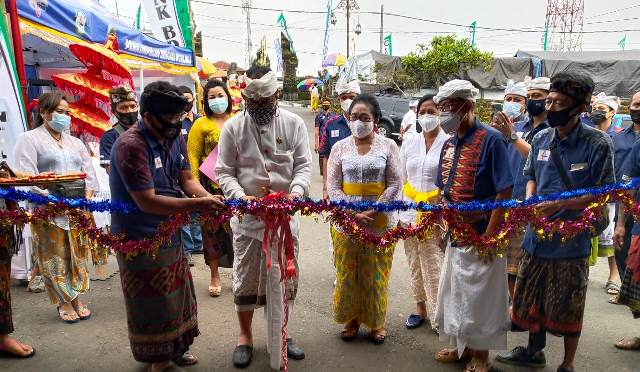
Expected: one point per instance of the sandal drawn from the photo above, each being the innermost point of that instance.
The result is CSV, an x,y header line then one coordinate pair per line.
x,y
350,332
186,359
628,344
451,356
613,300
215,291
83,310
378,336
476,365
63,314
414,321
612,288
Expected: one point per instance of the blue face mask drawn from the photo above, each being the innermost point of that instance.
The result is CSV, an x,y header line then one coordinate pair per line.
x,y
60,122
512,109
218,105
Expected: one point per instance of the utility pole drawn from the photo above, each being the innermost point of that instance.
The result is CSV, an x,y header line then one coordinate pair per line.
x,y
348,6
248,58
381,27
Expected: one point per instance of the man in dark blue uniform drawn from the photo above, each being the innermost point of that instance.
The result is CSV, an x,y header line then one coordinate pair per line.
x,y
552,281
322,118
520,135
124,107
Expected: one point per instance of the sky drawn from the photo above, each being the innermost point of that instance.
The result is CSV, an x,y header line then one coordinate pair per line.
x,y
520,25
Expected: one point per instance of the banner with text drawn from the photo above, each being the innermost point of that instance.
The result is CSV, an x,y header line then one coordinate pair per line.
x,y
164,20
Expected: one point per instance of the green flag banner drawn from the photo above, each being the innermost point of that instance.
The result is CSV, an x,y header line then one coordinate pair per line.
x,y
170,21
388,45
623,42
283,23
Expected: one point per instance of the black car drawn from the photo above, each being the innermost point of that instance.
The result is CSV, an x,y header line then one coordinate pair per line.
x,y
393,108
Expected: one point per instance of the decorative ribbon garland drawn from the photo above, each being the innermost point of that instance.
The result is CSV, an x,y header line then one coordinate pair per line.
x,y
276,207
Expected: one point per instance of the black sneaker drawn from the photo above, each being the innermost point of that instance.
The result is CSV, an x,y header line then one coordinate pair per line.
x,y
242,356
521,356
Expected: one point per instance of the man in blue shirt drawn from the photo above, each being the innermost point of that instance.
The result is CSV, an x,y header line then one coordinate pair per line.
x,y
151,171
520,135
191,233
473,296
604,108
627,158
336,128
630,290
322,118
124,107
552,279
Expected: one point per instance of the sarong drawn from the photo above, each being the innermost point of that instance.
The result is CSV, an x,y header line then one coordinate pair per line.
x,y
473,301
217,243
551,295
62,258
254,286
7,244
629,292
514,253
362,282
161,303
425,262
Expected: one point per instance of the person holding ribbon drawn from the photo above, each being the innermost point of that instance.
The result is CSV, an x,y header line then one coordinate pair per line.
x,y
363,167
473,302
203,139
61,250
420,156
551,287
151,171
264,150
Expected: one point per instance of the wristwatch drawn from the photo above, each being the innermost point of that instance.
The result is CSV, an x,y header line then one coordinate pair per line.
x,y
514,137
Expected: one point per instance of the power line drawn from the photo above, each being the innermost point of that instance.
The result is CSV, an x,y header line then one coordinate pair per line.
x,y
485,28
612,11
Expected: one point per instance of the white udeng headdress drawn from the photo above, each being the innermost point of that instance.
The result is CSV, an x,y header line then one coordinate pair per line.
x,y
264,87
351,87
457,89
611,101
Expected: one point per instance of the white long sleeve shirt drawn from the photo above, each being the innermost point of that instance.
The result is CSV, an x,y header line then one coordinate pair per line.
x,y
257,160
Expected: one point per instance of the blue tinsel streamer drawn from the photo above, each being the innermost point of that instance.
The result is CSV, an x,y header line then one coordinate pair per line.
x,y
398,205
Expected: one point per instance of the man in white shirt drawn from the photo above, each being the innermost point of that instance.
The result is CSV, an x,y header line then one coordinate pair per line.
x,y
408,124
263,149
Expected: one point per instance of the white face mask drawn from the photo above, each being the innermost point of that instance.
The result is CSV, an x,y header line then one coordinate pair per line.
x,y
361,129
345,105
428,122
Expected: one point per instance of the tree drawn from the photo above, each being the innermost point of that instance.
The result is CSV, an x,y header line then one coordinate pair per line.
x,y
446,56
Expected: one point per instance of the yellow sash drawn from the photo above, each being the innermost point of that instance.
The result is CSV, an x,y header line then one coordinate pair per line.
x,y
380,220
420,197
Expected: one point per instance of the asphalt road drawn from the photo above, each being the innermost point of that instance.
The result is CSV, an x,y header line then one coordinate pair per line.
x,y
101,343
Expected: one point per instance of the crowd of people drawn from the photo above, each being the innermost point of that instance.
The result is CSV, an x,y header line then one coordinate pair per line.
x,y
551,135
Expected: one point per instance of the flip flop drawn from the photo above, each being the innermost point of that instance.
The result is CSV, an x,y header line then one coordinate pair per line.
x,y
414,321
629,344
613,300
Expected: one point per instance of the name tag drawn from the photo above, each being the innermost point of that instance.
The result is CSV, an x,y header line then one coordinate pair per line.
x,y
578,167
184,132
449,153
158,162
335,133
543,155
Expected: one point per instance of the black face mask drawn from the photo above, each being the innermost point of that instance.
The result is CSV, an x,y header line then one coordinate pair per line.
x,y
127,119
635,116
168,129
560,118
188,106
535,107
598,116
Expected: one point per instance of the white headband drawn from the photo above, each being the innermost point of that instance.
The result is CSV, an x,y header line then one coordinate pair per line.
x,y
457,89
264,87
612,101
350,87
